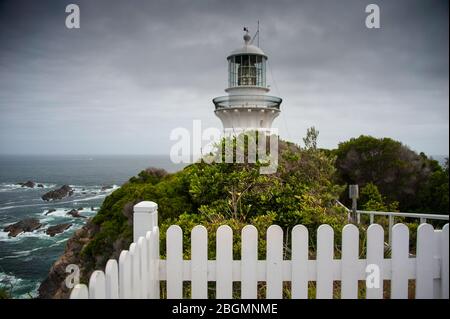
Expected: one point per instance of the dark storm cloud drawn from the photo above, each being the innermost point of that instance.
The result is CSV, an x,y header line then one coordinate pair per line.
x,y
137,69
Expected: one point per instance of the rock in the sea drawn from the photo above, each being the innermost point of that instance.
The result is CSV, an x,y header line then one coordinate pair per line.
x,y
29,184
59,193
25,225
40,185
54,286
50,211
53,230
104,188
75,213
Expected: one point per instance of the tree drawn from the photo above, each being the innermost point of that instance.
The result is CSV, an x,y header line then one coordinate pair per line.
x,y
398,172
433,196
310,140
372,200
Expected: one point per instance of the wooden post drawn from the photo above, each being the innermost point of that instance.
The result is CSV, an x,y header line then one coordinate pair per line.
x,y
145,217
353,192
391,224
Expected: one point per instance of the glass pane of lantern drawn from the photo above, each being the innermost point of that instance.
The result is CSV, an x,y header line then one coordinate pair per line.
x,y
264,72
229,72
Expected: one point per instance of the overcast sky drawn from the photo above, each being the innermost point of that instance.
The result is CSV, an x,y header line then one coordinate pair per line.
x,y
135,70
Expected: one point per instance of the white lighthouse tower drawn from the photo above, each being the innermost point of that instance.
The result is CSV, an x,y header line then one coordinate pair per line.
x,y
247,106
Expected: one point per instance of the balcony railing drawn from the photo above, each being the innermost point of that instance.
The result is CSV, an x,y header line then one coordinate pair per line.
x,y
247,101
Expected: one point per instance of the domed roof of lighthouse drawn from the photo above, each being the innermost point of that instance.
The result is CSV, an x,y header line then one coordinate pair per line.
x,y
247,48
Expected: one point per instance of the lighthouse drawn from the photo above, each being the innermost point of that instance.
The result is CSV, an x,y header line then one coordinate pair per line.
x,y
247,107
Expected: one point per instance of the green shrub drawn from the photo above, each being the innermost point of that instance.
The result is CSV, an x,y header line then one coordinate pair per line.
x,y
302,191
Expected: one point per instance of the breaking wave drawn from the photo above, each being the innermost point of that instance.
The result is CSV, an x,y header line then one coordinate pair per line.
x,y
16,284
80,195
7,187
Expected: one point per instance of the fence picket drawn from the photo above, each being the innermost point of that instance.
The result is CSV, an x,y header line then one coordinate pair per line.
x,y
148,242
97,285
112,279
80,291
424,262
125,291
437,255
274,262
143,267
249,256
224,260
174,252
375,257
299,257
154,262
400,255
152,266
444,262
135,275
199,262
325,246
349,263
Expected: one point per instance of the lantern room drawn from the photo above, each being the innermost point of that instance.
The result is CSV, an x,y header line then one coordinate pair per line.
x,y
247,66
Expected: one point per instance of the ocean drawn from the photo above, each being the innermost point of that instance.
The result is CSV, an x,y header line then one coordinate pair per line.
x,y
26,259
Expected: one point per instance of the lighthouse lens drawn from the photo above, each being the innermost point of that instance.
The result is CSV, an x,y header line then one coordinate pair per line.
x,y
246,70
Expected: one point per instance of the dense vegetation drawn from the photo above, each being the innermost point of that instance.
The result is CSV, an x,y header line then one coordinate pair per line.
x,y
303,190
407,181
4,293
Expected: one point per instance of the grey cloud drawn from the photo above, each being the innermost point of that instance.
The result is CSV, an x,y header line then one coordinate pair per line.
x,y
137,69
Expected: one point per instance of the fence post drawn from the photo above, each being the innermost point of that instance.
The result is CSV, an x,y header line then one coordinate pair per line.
x,y
391,224
145,217
353,193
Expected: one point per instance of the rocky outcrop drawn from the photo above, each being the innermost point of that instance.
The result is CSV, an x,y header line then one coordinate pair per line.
x,y
106,187
51,210
75,213
53,230
54,285
25,225
59,193
29,184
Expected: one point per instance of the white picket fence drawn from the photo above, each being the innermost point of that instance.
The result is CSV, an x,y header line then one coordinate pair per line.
x,y
140,270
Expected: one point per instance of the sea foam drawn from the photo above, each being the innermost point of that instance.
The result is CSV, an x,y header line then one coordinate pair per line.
x,y
8,187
